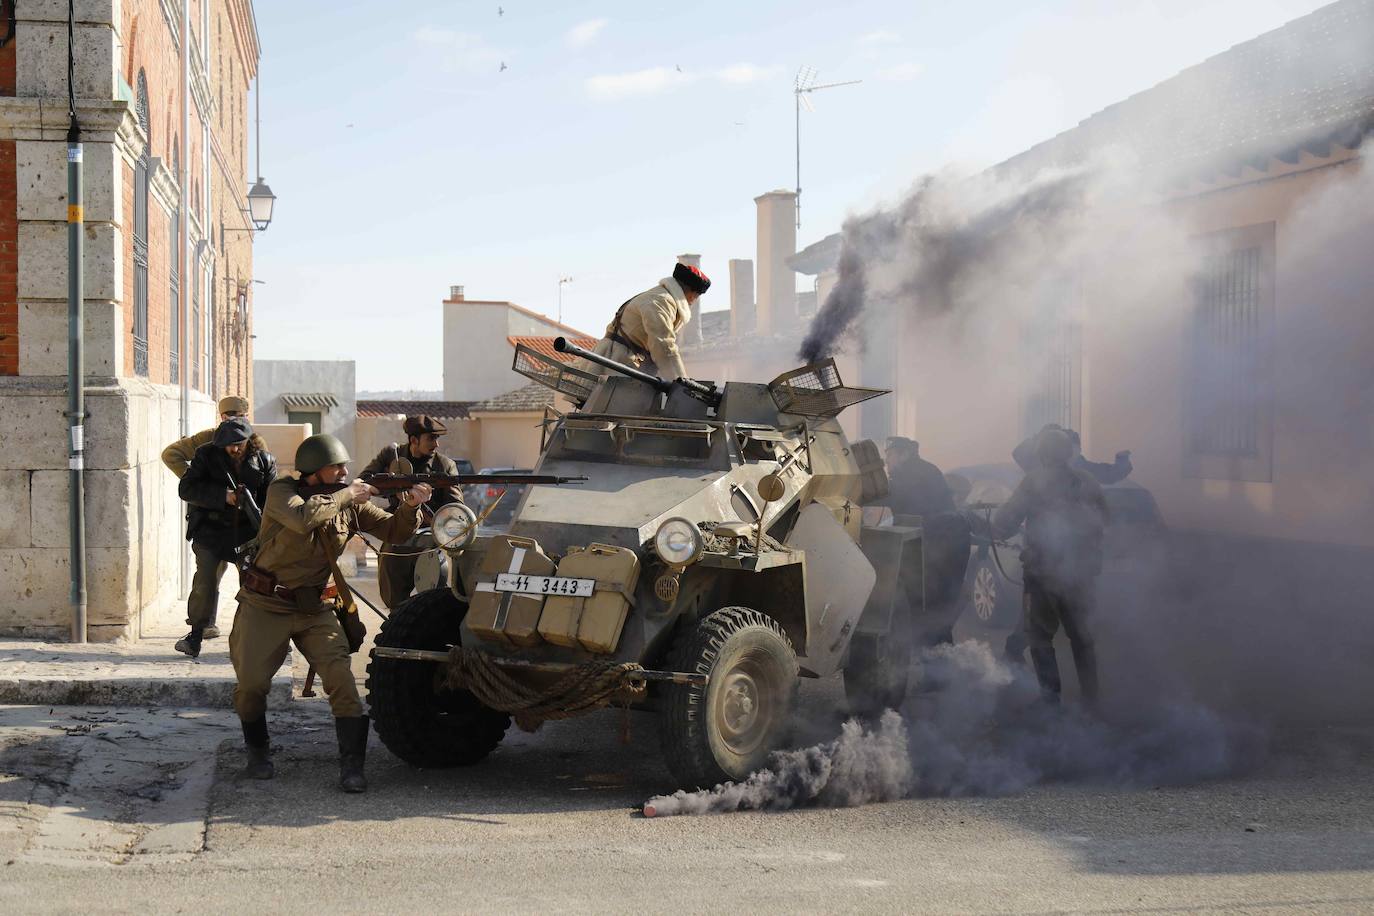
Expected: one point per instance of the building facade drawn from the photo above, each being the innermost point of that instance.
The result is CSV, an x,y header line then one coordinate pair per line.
x,y
161,94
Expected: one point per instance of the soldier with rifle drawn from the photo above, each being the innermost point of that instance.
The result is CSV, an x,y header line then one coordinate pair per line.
x,y
224,483
420,455
288,596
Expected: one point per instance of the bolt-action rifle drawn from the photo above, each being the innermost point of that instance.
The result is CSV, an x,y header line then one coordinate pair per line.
x,y
244,501
399,483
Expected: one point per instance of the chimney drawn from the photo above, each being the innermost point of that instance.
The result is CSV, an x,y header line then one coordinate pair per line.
x,y
777,241
741,296
455,294
691,331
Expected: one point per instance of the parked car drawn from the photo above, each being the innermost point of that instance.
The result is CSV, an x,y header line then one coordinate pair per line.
x,y
480,496
1135,536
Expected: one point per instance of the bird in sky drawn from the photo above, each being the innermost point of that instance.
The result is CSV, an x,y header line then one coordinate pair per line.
x,y
503,67
500,11
679,67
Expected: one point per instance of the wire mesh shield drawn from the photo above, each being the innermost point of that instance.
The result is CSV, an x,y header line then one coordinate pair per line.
x,y
551,373
817,391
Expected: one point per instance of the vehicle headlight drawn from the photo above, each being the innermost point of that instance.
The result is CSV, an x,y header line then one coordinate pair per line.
x,y
678,542
454,526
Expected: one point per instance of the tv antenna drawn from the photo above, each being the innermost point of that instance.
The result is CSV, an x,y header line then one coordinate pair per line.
x,y
801,90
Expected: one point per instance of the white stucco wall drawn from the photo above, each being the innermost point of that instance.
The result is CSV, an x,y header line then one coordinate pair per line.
x,y
477,355
274,377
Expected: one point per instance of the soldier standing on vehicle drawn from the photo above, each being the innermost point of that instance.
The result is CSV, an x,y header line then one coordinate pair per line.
x,y
1065,514
178,455
644,331
916,487
287,597
420,455
217,524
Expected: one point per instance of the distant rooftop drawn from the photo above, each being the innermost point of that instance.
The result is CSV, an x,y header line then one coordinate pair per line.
x,y
544,346
445,410
531,397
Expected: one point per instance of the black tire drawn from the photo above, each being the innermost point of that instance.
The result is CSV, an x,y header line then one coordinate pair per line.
x,y
726,730
418,719
877,673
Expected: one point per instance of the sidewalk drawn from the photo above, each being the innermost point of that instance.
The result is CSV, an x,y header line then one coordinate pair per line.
x,y
149,671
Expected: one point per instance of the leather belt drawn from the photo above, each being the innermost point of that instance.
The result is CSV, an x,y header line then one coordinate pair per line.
x,y
634,348
327,593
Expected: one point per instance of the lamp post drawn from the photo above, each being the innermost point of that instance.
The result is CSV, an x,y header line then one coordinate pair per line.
x,y
561,282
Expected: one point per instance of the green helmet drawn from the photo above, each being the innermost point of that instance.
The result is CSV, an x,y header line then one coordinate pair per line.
x,y
320,452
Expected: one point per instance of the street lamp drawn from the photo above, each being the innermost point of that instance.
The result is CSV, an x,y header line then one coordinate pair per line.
x,y
260,201
561,282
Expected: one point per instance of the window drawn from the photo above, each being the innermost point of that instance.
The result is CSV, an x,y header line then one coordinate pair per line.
x,y
1230,383
305,416
193,343
1053,395
141,235
174,300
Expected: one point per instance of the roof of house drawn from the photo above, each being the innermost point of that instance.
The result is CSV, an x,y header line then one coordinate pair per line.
x,y
526,398
544,346
1304,86
444,410
571,331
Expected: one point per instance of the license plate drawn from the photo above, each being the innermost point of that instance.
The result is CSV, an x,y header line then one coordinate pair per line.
x,y
545,585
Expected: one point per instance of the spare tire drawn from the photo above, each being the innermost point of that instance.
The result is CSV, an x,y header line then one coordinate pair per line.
x,y
419,719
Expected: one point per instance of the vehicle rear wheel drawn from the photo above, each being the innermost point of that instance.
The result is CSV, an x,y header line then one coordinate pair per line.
x,y
419,719
727,729
877,673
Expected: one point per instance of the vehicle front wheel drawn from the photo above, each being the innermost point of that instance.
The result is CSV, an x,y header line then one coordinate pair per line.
x,y
726,730
419,719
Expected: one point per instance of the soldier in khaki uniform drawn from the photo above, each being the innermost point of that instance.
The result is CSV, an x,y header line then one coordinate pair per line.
x,y
287,597
420,455
644,331
177,457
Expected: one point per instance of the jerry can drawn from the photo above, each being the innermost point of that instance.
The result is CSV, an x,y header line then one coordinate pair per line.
x,y
592,623
508,617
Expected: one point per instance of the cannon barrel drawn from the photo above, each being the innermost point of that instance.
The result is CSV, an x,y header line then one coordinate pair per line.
x,y
699,390
563,345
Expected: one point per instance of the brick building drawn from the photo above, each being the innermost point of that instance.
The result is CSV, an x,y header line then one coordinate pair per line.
x,y
161,91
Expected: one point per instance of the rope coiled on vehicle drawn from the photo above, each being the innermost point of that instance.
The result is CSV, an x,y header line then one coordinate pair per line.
x,y
580,689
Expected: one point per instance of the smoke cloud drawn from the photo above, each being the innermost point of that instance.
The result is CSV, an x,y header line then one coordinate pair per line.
x,y
984,732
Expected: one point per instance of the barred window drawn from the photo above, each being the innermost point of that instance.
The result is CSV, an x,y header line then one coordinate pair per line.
x,y
141,234
174,300
1230,396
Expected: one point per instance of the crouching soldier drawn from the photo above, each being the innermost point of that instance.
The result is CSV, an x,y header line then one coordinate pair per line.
x,y
224,474
287,596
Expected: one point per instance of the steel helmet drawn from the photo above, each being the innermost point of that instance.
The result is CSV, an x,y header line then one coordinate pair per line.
x,y
320,451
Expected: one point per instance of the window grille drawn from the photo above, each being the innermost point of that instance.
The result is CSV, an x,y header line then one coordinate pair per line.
x,y
1227,418
141,235
174,300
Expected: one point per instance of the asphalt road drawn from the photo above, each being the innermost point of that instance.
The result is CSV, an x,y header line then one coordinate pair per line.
x,y
139,811
130,810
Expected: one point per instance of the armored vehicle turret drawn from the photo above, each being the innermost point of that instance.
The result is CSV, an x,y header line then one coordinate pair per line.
x,y
715,553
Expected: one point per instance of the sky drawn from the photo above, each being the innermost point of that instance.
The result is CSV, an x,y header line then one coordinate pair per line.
x,y
621,134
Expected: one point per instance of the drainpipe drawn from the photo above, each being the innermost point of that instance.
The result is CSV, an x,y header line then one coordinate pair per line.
x,y
184,227
76,373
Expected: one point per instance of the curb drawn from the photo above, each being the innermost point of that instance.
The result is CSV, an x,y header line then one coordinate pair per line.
x,y
207,693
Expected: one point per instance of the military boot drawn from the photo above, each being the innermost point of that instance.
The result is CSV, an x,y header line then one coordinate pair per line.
x,y
1085,662
352,732
190,643
259,750
1047,673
